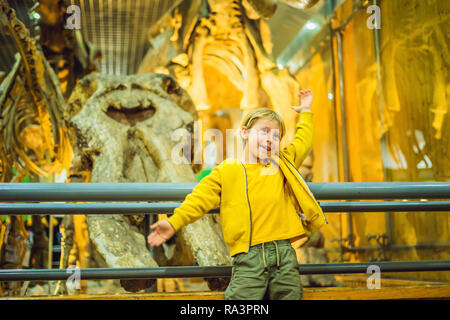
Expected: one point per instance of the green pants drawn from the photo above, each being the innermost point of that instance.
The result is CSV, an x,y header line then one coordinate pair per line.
x,y
268,270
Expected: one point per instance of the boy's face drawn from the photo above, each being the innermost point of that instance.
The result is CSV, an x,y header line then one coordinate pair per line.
x,y
263,138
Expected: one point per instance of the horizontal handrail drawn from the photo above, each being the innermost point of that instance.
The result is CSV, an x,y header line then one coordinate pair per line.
x,y
177,191
158,208
91,192
212,271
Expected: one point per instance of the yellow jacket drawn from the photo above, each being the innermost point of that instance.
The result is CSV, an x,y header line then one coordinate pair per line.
x,y
226,186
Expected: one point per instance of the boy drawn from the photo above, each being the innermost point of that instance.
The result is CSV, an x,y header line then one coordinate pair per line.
x,y
264,206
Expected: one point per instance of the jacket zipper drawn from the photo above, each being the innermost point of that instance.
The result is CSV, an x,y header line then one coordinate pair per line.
x,y
249,208
298,173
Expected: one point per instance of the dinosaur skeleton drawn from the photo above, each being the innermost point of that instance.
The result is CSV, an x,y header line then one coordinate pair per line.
x,y
33,135
228,37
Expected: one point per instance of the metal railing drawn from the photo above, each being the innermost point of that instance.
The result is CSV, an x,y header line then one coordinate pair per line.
x,y
211,271
89,192
143,193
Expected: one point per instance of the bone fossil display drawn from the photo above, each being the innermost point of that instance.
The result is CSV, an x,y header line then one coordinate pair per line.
x,y
33,135
121,127
204,42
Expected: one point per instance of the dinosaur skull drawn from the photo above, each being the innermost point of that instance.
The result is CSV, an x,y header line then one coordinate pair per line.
x,y
123,128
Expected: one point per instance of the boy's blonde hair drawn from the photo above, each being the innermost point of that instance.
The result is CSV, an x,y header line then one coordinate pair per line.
x,y
251,118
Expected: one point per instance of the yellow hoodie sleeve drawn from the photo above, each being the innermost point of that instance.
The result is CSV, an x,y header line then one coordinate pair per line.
x,y
299,149
204,197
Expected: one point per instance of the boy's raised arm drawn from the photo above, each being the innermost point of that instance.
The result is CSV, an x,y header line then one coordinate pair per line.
x,y
299,149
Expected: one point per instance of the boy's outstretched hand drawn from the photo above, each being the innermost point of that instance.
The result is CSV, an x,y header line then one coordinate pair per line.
x,y
306,98
162,231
